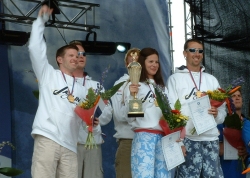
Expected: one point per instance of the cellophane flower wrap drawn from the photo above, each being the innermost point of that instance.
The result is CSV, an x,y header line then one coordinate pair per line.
x,y
219,96
232,132
86,109
172,120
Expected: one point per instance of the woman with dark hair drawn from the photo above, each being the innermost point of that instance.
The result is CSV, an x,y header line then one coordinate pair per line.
x,y
144,56
147,156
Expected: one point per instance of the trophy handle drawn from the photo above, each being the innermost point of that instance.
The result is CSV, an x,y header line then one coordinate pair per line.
x,y
135,95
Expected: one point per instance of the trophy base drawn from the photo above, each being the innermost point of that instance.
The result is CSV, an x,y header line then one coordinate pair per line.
x,y
135,108
136,114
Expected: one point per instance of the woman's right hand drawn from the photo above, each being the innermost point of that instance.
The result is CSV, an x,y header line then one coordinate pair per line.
x,y
133,88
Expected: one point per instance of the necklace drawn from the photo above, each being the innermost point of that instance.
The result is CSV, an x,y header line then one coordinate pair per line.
x,y
198,93
155,102
70,96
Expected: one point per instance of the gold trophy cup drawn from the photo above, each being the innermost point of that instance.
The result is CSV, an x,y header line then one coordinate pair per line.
x,y
134,71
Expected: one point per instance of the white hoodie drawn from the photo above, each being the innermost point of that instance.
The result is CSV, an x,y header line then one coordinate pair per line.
x,y
55,117
123,129
152,113
181,86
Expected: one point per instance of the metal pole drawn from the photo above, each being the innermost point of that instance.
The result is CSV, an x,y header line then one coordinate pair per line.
x,y
170,35
185,20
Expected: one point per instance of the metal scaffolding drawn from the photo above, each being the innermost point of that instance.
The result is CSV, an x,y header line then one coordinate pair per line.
x,y
170,34
189,21
19,13
193,19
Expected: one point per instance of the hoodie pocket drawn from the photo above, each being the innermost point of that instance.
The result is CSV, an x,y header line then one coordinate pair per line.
x,y
67,126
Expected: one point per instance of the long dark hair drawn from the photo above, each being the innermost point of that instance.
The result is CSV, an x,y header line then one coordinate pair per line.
x,y
144,53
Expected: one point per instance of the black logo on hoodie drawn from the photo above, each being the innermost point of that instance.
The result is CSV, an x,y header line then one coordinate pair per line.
x,y
190,94
63,93
149,96
64,90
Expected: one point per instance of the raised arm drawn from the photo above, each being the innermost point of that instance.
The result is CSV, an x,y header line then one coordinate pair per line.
x,y
37,45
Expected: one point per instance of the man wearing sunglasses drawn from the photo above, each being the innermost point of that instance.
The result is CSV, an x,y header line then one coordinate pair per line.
x,y
187,84
89,160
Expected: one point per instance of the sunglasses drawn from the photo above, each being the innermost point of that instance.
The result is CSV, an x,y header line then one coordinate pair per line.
x,y
194,50
81,53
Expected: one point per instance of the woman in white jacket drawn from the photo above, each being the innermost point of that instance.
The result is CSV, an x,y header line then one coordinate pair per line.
x,y
147,157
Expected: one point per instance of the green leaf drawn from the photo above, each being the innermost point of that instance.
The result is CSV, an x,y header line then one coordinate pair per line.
x,y
159,100
91,96
115,88
109,93
36,93
177,105
7,171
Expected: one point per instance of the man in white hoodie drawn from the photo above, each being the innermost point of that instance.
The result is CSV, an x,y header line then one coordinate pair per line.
x,y
89,160
202,151
124,135
56,127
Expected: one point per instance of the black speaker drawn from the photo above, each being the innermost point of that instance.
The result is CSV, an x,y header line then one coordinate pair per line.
x,y
15,38
99,47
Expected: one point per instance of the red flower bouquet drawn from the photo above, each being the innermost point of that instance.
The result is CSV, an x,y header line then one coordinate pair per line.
x,y
86,109
172,120
166,129
219,96
216,103
233,137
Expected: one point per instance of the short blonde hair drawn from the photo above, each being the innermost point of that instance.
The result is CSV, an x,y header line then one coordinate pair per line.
x,y
75,42
132,50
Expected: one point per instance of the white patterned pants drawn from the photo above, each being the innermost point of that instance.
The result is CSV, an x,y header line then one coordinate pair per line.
x,y
147,160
